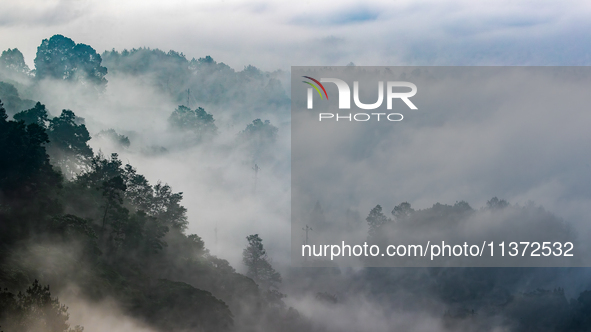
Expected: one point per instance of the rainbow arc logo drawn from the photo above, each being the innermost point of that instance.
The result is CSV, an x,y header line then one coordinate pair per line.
x,y
315,87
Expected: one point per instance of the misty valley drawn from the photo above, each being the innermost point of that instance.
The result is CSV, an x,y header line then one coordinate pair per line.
x,y
143,191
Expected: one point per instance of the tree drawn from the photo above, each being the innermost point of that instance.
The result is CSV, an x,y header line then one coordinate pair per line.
x,y
69,143
139,191
68,137
61,58
258,136
258,266
113,191
13,59
496,204
23,159
12,101
402,210
73,228
34,310
168,71
260,132
198,121
27,179
113,136
166,207
376,221
144,232
37,115
100,170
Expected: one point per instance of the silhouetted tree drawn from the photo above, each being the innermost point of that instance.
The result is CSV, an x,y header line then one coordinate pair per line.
x,y
258,266
259,132
376,220
34,310
76,229
61,58
402,210
68,146
198,121
37,115
112,190
166,207
12,101
257,137
100,170
23,159
68,137
496,204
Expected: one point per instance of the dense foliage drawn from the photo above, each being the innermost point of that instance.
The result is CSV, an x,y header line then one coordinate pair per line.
x,y
61,58
127,235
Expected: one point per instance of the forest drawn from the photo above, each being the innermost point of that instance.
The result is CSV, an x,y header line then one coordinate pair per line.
x,y
84,232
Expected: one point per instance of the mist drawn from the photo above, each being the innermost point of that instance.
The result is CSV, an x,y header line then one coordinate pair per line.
x,y
233,186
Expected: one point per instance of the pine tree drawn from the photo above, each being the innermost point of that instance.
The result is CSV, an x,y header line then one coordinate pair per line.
x,y
376,220
259,268
34,310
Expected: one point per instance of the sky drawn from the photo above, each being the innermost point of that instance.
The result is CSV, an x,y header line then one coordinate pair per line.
x,y
278,34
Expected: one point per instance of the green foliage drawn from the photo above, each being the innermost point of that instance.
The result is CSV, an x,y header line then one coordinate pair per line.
x,y
197,243
139,191
12,101
27,179
258,137
68,146
100,170
251,71
260,132
68,138
23,160
120,140
13,59
198,121
539,310
257,263
34,310
114,213
133,214
38,115
177,306
61,58
166,206
132,217
76,229
208,81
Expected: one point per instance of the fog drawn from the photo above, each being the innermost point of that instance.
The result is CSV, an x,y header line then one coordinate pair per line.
x,y
532,156
216,178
